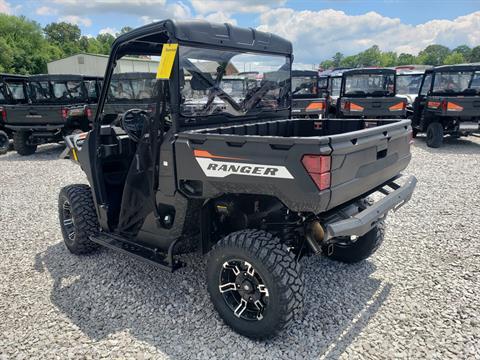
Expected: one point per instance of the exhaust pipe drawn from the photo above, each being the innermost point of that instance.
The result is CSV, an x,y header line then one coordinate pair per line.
x,y
314,233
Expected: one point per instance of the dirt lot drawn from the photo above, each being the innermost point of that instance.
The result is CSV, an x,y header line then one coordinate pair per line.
x,y
418,297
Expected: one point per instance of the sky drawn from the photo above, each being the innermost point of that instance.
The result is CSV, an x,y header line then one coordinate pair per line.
x,y
317,28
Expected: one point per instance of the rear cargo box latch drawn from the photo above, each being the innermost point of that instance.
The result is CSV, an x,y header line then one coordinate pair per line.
x,y
382,149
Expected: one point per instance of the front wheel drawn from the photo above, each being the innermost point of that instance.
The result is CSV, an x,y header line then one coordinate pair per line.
x,y
355,250
434,135
255,283
21,144
4,142
78,218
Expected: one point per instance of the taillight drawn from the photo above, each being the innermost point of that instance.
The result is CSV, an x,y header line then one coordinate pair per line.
x,y
64,113
355,107
315,106
88,113
453,107
3,114
318,167
351,106
434,104
398,107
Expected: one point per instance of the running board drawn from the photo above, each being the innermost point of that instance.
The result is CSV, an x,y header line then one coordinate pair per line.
x,y
146,254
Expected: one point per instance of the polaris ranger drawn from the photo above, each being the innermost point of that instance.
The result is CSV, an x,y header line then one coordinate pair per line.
x,y
12,92
369,93
236,179
57,106
308,100
448,103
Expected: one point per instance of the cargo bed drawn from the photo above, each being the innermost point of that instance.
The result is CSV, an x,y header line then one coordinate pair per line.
x,y
364,155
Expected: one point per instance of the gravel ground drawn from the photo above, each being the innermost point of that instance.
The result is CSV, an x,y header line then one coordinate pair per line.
x,y
418,297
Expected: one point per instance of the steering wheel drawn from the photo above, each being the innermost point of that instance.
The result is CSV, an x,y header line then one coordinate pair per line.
x,y
132,121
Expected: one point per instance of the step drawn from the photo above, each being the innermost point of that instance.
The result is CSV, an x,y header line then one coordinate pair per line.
x,y
141,252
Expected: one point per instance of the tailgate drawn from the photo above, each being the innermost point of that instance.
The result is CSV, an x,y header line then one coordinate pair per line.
x,y
308,106
373,107
365,159
464,106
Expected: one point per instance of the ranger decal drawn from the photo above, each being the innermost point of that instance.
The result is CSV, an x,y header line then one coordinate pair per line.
x,y
221,168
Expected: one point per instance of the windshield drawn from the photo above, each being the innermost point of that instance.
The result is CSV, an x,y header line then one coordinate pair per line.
x,y
91,86
369,85
335,86
40,91
408,84
134,88
461,82
214,82
323,82
304,85
68,90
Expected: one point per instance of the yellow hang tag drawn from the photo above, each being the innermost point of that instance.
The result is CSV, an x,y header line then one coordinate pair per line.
x,y
167,58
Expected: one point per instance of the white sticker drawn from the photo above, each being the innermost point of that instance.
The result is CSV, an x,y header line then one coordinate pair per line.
x,y
221,169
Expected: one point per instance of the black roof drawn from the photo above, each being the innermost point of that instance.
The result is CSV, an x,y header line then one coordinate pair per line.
x,y
56,77
203,32
304,73
459,67
134,75
369,71
12,76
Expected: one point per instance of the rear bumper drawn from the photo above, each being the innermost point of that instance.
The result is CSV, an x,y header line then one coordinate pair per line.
x,y
362,222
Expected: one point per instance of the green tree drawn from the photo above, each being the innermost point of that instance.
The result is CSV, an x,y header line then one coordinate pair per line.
x,y
454,58
433,55
464,50
370,57
388,59
327,64
349,61
406,59
65,36
62,32
124,30
475,54
105,42
23,46
337,59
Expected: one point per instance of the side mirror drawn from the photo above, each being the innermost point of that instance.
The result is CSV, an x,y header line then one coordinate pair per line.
x,y
133,121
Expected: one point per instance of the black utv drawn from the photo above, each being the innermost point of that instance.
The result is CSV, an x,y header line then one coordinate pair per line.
x,y
369,93
57,106
12,92
232,177
308,98
448,103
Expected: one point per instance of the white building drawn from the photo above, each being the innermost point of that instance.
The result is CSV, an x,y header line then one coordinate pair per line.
x,y
95,65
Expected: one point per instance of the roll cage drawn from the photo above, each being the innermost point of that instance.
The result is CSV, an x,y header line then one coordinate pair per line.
x,y
150,39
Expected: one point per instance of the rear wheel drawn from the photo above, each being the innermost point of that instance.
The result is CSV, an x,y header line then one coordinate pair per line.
x,y
78,218
355,250
255,283
4,142
434,135
21,145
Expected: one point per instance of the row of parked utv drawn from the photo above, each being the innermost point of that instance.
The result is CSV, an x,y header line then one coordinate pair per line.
x,y
439,101
43,109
